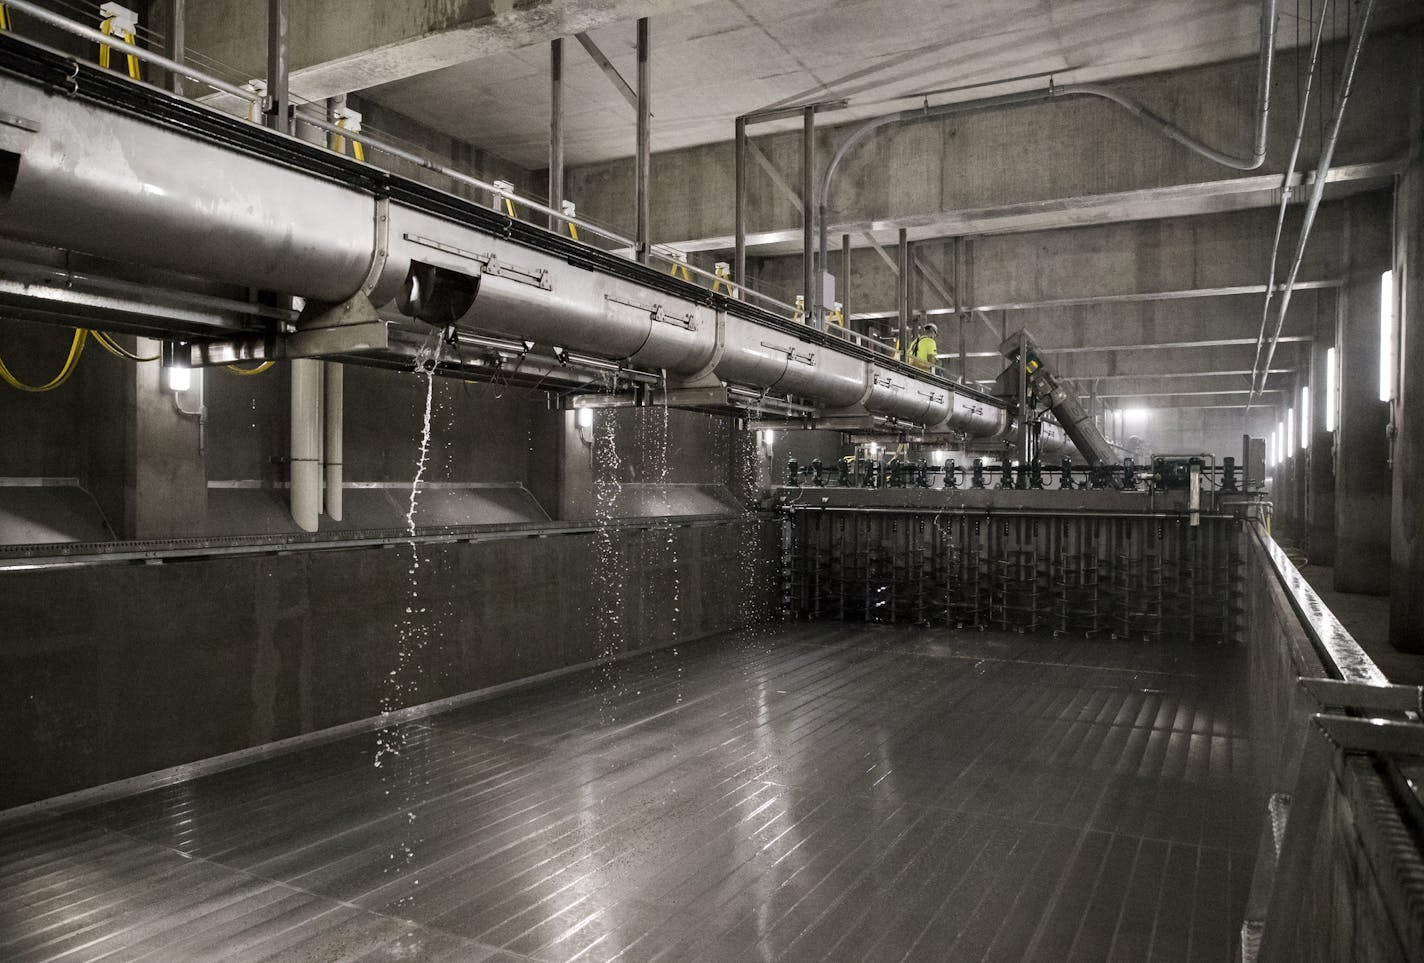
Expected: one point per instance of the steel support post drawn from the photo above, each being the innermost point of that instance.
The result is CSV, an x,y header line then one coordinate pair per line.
x,y
843,289
810,294
1025,427
278,100
962,301
645,133
556,128
903,301
739,269
174,42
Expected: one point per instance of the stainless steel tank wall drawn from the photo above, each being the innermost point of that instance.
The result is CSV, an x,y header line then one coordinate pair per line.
x,y
100,181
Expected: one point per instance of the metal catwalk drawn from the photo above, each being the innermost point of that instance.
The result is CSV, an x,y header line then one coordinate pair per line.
x,y
848,793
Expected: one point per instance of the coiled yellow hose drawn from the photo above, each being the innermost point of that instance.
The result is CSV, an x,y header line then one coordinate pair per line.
x,y
249,371
76,348
107,342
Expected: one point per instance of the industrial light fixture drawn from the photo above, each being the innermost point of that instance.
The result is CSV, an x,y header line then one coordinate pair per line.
x,y
1330,400
1280,440
179,378
175,366
1271,451
1290,432
1386,371
1304,417
585,417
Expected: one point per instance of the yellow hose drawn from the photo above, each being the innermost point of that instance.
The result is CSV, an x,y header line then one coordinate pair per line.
x,y
76,348
249,371
107,342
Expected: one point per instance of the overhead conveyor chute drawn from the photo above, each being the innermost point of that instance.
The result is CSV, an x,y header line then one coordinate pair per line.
x,y
1023,355
220,201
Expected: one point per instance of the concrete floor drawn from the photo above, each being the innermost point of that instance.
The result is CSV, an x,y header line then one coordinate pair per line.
x,y
818,792
1366,617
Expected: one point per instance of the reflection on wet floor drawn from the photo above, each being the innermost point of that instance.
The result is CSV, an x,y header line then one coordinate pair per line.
x,y
813,793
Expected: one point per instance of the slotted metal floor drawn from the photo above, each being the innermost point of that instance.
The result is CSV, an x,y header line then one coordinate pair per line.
x,y
816,793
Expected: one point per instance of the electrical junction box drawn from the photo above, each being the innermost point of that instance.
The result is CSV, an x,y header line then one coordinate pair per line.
x,y
1174,473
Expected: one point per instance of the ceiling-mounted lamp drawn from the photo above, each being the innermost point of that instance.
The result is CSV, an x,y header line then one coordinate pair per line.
x,y
176,368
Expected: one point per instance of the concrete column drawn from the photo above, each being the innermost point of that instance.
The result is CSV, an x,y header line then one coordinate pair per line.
x,y
1406,601
561,464
174,43
1320,512
164,470
1363,487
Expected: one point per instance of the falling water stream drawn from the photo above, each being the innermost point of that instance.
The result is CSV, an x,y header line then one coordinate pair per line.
x,y
402,685
608,574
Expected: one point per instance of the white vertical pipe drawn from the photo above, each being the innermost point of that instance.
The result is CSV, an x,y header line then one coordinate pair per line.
x,y
306,443
334,418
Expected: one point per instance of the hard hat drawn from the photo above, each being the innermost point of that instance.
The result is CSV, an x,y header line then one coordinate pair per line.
x,y
931,328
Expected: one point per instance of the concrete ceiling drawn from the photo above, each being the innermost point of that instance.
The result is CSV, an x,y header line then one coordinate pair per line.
x,y
723,58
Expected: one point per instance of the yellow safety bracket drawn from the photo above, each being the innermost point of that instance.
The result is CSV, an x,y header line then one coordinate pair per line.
x,y
569,211
504,190
679,266
123,23
723,270
4,18
348,120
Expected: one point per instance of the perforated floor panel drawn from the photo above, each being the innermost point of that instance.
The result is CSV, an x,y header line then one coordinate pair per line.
x,y
810,793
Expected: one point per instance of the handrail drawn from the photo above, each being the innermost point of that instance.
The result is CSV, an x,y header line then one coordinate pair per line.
x,y
1334,643
133,50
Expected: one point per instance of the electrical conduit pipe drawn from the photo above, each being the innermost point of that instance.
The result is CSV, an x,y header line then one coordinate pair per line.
x,y
1162,125
306,443
333,411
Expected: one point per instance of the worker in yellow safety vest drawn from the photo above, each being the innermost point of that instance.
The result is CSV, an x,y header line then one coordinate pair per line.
x,y
924,351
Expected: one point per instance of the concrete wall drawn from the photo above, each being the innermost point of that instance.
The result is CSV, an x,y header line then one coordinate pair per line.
x,y
45,434
463,156
115,427
115,671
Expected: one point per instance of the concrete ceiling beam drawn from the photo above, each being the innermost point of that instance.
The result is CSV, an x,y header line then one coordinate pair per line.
x,y
359,44
1138,298
1150,204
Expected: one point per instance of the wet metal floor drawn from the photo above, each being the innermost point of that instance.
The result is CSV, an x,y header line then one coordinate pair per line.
x,y
821,793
